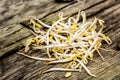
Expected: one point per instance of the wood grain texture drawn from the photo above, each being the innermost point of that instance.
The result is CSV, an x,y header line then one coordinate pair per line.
x,y
11,29
13,35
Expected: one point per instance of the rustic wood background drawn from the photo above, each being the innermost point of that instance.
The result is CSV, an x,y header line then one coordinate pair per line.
x,y
14,32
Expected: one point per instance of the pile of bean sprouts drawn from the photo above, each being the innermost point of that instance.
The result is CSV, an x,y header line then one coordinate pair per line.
x,y
68,41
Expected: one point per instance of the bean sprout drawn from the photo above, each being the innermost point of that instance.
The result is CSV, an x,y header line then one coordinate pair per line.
x,y
68,41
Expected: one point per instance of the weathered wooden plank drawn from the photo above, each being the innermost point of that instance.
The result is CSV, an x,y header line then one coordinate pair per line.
x,y
12,30
109,68
9,42
34,10
53,75
13,8
17,11
107,55
18,67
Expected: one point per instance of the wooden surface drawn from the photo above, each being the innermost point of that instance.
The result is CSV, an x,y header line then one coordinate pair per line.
x,y
14,15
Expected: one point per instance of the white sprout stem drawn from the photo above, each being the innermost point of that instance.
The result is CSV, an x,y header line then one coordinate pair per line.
x,y
65,55
100,55
85,38
39,36
69,21
62,37
45,25
95,40
78,17
94,22
37,58
76,66
84,17
87,70
78,33
60,61
57,22
57,40
65,32
35,29
66,26
61,45
63,69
